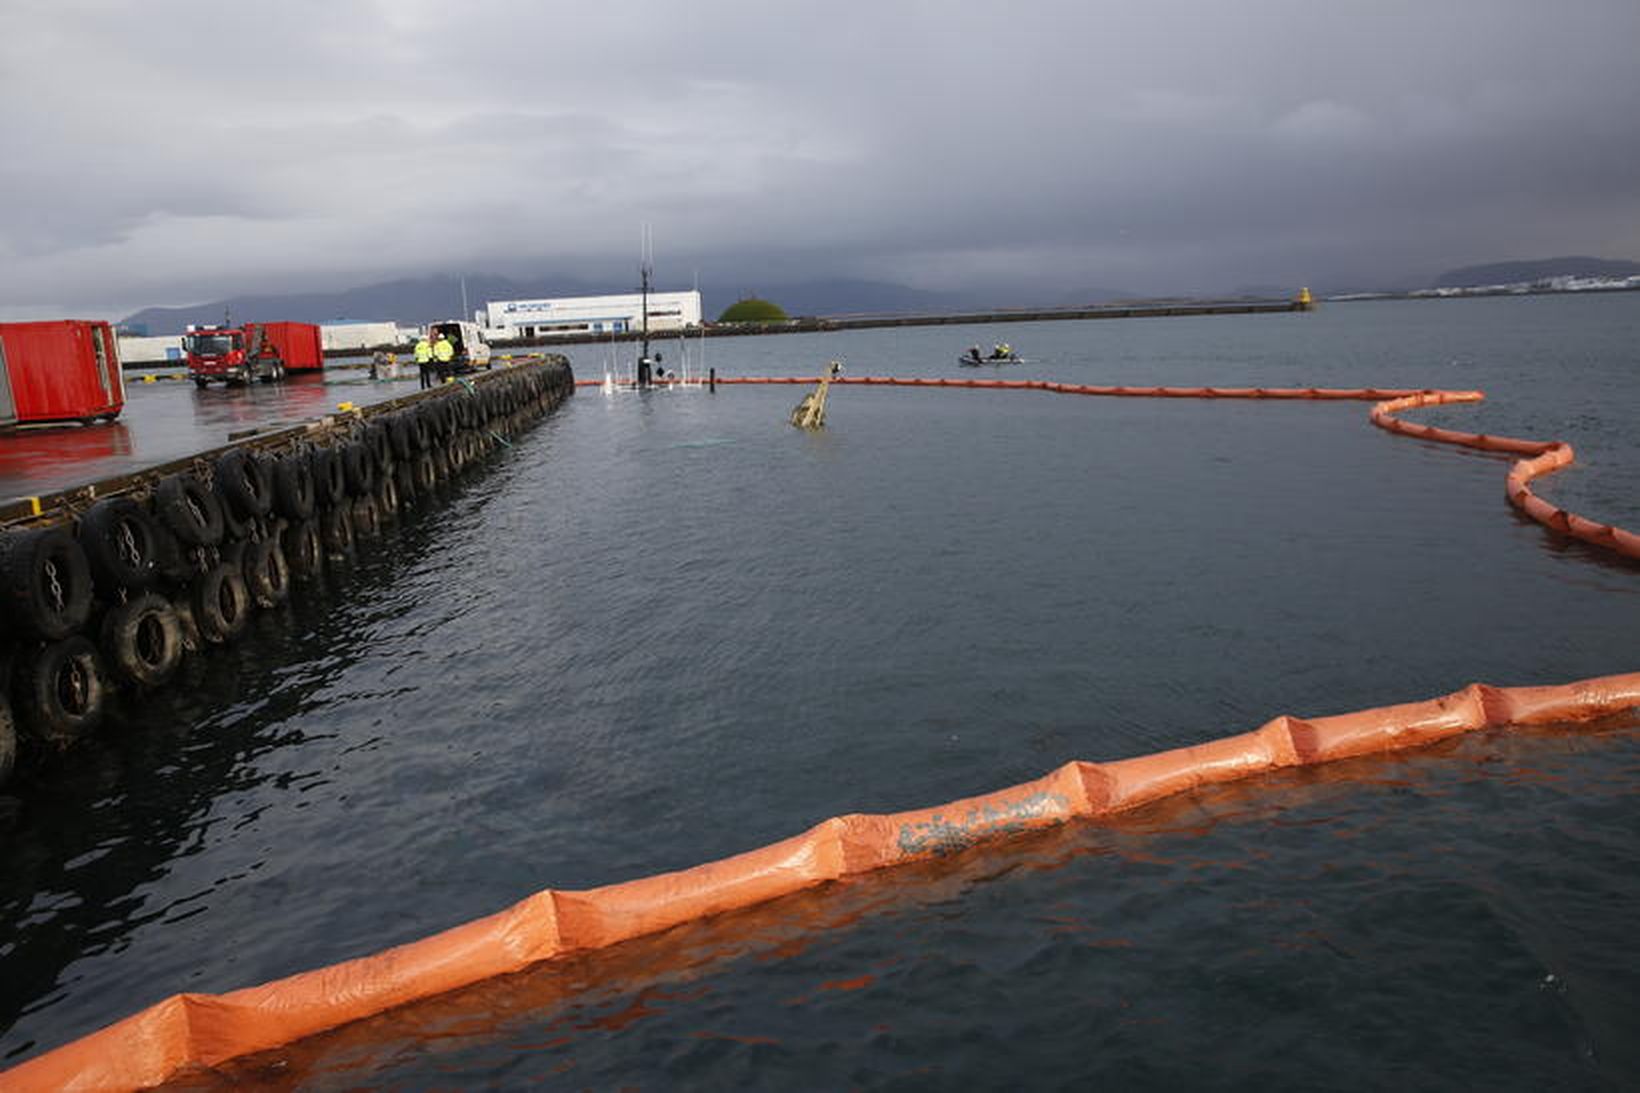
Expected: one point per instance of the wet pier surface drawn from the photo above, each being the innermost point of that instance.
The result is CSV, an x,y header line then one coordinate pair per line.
x,y
171,418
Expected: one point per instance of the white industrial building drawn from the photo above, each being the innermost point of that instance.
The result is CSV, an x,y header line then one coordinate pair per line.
x,y
591,315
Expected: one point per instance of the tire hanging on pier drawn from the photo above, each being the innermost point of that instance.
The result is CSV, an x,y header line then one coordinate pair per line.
x,y
358,467
243,480
336,530
142,640
221,604
8,740
329,485
120,542
191,511
293,490
45,583
267,575
61,691
304,552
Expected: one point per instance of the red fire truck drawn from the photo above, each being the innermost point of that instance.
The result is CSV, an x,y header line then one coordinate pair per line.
x,y
235,355
66,370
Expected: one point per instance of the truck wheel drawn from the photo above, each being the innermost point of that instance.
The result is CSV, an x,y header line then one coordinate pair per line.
x,y
293,490
61,691
189,509
221,604
142,640
45,583
119,540
201,382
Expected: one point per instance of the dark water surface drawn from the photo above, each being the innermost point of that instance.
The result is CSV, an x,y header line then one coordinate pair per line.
x,y
663,629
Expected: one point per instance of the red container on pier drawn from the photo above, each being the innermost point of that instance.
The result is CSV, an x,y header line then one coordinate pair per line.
x,y
66,370
298,345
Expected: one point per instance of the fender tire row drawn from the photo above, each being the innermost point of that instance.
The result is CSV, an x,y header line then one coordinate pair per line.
x,y
117,598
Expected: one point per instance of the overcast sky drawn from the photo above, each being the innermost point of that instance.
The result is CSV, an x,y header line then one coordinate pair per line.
x,y
168,153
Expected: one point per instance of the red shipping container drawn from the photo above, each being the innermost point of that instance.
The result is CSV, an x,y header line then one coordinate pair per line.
x,y
67,370
298,345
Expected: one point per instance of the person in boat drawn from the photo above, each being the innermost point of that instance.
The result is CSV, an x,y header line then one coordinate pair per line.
x,y
1002,352
973,354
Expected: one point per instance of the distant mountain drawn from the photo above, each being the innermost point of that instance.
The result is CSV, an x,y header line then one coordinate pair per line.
x,y
1519,273
409,302
421,301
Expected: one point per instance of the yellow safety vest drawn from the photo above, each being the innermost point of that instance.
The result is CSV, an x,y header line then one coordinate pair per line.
x,y
443,351
424,351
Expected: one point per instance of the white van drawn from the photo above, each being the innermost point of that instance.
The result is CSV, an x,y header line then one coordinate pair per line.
x,y
472,351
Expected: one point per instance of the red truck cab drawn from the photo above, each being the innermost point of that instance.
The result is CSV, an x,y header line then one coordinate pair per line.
x,y
261,351
66,370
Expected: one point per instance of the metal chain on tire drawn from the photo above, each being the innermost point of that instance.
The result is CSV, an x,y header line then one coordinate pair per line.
x,y
56,586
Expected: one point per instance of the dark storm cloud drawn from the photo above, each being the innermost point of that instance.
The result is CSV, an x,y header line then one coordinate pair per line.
x,y
180,151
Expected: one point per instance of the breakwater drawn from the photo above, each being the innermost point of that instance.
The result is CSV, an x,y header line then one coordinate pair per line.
x,y
109,585
820,324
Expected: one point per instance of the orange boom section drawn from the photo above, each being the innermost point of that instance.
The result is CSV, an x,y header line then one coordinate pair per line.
x,y
190,1031
1546,456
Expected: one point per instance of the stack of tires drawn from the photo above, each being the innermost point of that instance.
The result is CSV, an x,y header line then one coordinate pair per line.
x,y
113,602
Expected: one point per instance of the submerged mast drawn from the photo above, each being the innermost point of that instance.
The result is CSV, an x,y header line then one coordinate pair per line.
x,y
644,270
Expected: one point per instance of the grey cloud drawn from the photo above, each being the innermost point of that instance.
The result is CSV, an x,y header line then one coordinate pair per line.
x,y
1190,146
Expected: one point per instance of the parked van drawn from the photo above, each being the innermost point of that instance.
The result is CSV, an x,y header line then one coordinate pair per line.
x,y
472,351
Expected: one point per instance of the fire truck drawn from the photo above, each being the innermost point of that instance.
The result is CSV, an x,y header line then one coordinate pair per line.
x,y
235,355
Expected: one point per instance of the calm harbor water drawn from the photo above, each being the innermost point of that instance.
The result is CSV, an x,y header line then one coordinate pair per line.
x,y
666,628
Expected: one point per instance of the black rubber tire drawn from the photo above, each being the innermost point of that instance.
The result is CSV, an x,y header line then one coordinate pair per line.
x,y
121,545
243,480
336,530
45,583
294,495
329,483
60,691
426,472
267,575
304,551
191,511
400,435
221,604
359,468
142,640
182,604
421,431
367,518
234,527
380,442
8,741
405,475
172,563
387,497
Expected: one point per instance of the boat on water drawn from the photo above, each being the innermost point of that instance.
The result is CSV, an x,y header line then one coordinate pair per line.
x,y
1002,354
647,372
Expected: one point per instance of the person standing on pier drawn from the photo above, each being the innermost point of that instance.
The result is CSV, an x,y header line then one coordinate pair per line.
x,y
424,360
444,355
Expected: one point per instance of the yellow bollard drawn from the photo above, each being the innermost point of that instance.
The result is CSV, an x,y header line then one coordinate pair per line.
x,y
345,407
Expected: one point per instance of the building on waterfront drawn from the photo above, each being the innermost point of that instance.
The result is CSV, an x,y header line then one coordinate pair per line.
x,y
590,315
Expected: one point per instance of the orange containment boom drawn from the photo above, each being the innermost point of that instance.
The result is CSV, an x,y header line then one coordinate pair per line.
x,y
1543,456
191,1031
